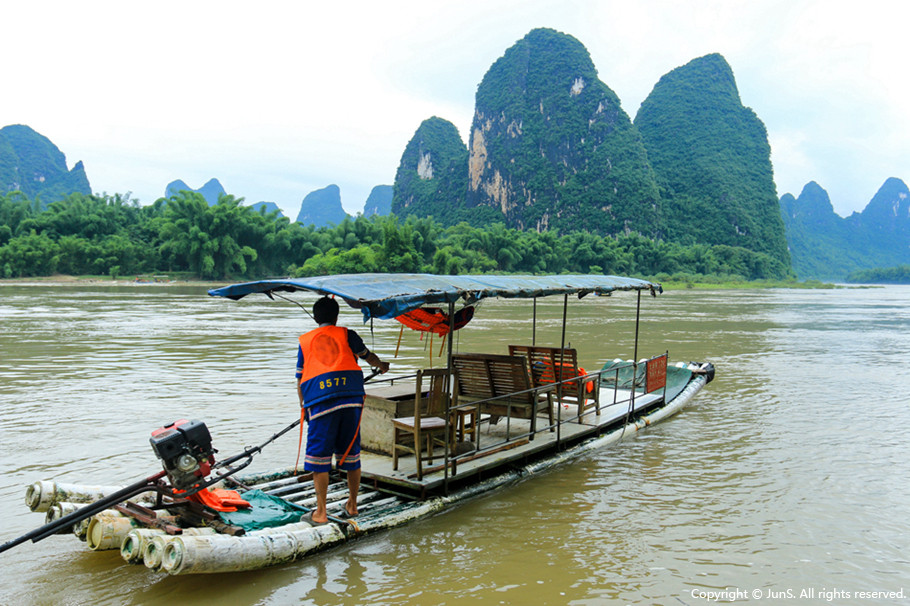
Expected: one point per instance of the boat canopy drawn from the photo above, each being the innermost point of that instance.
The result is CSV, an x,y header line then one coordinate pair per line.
x,y
386,296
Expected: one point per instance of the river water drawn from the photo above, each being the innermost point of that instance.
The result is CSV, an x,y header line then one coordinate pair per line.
x,y
788,474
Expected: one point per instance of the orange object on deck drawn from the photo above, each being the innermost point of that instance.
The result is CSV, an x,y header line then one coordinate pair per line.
x,y
549,376
220,499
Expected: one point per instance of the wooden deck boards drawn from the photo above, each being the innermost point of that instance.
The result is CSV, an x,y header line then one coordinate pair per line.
x,y
378,467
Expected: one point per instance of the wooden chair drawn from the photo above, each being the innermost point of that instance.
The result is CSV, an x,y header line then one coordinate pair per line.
x,y
501,385
550,365
428,422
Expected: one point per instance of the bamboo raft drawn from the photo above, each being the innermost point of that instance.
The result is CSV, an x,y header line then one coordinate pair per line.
x,y
527,389
382,503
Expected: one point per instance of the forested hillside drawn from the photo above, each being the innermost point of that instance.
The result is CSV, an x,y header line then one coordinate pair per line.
x,y
113,235
552,158
551,148
891,275
713,160
432,177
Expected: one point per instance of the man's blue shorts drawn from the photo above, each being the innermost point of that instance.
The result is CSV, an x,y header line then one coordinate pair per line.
x,y
330,434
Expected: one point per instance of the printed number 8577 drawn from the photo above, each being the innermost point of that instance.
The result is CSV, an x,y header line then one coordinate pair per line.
x,y
333,382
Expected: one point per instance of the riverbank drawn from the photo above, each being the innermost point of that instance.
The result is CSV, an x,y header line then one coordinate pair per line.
x,y
754,284
67,280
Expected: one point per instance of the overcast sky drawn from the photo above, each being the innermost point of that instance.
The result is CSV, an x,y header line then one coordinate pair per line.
x,y
277,99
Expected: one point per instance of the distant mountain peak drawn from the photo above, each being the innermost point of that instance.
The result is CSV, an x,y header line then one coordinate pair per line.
x,y
211,191
379,202
266,208
322,207
815,201
32,164
175,186
432,175
889,209
709,71
891,196
826,246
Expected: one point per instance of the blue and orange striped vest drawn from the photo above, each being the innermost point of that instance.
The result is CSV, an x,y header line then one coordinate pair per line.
x,y
330,368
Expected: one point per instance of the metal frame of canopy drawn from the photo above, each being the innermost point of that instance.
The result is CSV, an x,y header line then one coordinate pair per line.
x,y
386,296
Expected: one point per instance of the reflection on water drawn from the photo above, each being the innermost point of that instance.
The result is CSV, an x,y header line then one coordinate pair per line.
x,y
789,471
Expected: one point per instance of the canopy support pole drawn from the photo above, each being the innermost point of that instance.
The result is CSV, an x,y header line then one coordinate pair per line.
x,y
637,320
451,332
450,388
534,324
558,372
634,369
635,353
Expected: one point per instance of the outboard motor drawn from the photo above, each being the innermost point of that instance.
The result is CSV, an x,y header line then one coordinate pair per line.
x,y
185,450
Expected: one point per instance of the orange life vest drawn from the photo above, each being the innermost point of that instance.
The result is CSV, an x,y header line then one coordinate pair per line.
x,y
330,368
549,375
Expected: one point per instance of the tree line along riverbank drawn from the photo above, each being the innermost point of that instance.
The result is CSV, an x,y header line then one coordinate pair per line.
x,y
116,237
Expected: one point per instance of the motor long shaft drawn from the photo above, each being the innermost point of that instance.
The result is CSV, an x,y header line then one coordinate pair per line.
x,y
88,511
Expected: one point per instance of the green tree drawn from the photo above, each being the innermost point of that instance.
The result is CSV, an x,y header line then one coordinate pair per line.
x,y
14,209
206,240
360,259
398,253
32,254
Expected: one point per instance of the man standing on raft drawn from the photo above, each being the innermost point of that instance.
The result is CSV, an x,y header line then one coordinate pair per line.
x,y
330,389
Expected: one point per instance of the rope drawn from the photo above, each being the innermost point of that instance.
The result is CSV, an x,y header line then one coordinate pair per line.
x,y
351,445
300,440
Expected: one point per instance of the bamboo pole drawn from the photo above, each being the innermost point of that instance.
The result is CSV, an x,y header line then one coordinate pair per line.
x,y
400,334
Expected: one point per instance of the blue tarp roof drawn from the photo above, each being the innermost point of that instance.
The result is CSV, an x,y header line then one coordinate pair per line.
x,y
386,296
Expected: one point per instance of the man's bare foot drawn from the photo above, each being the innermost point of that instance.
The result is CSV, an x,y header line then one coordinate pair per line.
x,y
316,521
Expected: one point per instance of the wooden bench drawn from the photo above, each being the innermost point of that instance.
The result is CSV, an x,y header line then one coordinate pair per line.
x,y
500,383
550,365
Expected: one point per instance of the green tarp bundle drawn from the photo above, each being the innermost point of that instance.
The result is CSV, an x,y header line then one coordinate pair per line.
x,y
266,512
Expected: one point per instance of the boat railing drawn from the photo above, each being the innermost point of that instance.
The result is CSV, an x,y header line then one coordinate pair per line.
x,y
628,381
508,400
628,377
625,393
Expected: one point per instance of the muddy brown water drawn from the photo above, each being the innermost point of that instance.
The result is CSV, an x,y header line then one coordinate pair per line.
x,y
788,473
